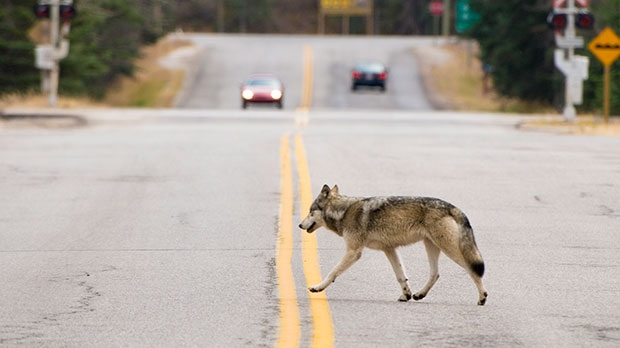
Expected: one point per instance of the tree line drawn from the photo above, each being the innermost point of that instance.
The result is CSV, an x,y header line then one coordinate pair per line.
x,y
106,36
516,42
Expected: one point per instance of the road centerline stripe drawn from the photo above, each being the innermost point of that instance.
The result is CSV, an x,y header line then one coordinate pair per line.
x,y
323,334
289,334
308,77
301,113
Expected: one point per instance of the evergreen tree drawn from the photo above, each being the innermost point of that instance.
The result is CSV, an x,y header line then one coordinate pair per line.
x,y
105,39
17,70
516,42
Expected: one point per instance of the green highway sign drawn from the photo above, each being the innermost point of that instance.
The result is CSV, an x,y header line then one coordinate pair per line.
x,y
465,16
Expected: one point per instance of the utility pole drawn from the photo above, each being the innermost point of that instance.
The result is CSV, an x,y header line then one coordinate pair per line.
x,y
220,16
446,18
49,56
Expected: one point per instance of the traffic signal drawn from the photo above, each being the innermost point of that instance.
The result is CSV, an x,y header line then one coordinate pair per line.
x,y
584,20
42,11
67,12
557,21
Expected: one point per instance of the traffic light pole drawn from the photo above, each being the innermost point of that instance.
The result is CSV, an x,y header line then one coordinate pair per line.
x,y
55,71
565,20
48,56
569,108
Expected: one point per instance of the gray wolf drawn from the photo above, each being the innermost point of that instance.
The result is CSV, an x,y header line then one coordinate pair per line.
x,y
386,223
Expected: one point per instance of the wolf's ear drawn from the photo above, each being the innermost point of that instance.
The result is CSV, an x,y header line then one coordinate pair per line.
x,y
334,191
325,190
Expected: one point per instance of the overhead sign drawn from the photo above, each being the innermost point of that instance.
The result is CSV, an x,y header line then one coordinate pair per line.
x,y
606,46
346,7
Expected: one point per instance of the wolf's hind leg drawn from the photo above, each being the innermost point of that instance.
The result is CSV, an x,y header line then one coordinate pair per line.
x,y
349,258
432,252
399,270
482,292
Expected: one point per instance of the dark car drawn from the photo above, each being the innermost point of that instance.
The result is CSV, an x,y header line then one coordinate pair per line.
x,y
262,88
369,74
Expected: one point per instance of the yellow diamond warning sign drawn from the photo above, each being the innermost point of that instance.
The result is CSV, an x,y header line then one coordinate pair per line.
x,y
606,46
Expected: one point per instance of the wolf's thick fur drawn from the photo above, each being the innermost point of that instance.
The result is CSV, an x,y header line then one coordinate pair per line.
x,y
386,223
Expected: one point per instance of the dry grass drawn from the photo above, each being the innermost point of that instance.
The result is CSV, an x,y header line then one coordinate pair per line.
x,y
37,100
459,79
152,85
585,125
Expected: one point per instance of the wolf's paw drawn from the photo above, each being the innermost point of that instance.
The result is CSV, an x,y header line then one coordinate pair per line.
x,y
483,300
315,289
418,296
404,297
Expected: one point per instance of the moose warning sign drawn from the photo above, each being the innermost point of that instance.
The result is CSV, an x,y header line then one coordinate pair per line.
x,y
606,46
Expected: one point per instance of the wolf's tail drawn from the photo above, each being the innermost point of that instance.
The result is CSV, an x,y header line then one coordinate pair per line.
x,y
469,249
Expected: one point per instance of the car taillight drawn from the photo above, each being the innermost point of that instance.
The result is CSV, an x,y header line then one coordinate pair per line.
x,y
382,76
356,74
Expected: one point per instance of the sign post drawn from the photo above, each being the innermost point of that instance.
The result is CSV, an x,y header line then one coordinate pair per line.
x,y
606,47
436,9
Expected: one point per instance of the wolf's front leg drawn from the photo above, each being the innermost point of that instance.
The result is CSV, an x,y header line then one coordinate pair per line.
x,y
349,258
399,271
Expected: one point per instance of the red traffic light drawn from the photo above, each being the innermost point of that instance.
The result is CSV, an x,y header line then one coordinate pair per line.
x,y
557,21
584,20
67,12
42,11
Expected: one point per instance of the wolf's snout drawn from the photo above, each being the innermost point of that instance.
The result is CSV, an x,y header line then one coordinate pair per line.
x,y
304,226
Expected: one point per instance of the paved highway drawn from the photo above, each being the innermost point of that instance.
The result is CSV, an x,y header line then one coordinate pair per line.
x,y
228,59
177,228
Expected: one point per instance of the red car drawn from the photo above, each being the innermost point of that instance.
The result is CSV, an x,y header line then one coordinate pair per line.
x,y
262,88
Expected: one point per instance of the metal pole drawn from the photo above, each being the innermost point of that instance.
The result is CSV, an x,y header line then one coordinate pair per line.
x,y
220,16
370,19
446,17
55,19
569,108
606,94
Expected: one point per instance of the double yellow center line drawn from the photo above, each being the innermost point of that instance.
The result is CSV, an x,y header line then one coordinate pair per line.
x,y
290,328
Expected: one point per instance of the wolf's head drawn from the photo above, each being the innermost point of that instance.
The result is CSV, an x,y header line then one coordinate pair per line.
x,y
316,216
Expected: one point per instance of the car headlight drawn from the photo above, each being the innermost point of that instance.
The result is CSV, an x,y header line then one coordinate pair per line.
x,y
276,94
247,94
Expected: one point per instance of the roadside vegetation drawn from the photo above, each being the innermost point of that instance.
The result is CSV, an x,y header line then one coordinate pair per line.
x,y
152,85
462,84
516,43
116,45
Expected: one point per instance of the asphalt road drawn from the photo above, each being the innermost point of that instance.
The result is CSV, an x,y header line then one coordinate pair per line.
x,y
159,228
228,59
